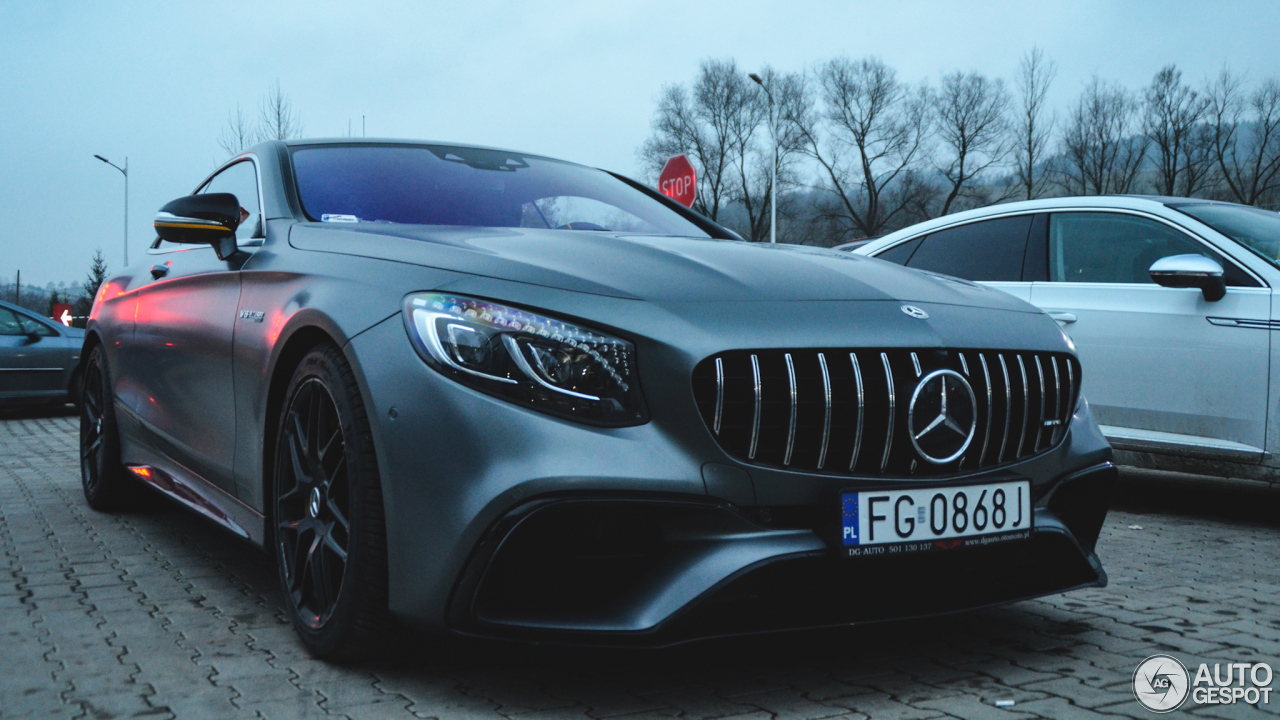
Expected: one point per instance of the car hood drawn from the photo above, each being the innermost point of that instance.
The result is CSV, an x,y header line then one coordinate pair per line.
x,y
649,267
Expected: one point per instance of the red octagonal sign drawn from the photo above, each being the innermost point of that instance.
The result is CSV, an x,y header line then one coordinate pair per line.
x,y
679,181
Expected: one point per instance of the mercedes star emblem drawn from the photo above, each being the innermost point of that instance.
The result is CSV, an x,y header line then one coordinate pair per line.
x,y
915,312
942,417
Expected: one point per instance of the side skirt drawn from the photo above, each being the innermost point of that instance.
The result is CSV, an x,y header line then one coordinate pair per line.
x,y
171,478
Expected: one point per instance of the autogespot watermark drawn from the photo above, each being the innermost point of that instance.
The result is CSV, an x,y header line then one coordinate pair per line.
x,y
1162,684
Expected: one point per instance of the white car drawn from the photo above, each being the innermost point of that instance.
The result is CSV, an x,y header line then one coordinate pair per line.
x,y
1168,300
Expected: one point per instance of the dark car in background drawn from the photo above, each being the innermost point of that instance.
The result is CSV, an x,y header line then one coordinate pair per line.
x,y
492,393
39,359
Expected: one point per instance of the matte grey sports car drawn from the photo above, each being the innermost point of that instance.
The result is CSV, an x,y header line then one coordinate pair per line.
x,y
493,393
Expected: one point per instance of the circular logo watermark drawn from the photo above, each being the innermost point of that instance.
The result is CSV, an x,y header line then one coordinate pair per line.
x,y
1161,683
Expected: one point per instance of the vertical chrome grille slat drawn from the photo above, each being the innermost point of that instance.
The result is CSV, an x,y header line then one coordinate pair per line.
x,y
755,422
857,434
719,393
791,428
888,440
1008,407
1026,405
826,422
915,363
986,437
1057,389
1071,394
964,364
1057,401
1044,400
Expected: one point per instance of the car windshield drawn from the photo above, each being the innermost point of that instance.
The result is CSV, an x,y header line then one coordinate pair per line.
x,y
1258,230
445,185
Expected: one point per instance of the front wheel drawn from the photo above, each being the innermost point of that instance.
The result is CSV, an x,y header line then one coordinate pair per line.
x,y
330,534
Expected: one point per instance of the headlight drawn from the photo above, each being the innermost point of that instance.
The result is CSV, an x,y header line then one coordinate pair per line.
x,y
546,364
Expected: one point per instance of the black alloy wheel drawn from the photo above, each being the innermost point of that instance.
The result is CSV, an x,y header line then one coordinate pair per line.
x,y
313,504
327,511
101,474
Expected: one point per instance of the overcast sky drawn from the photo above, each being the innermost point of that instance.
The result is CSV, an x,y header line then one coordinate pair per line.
x,y
575,80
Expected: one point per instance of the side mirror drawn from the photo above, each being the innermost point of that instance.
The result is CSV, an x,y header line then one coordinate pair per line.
x,y
209,219
1190,271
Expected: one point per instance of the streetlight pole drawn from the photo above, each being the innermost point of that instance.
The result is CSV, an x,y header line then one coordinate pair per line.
x,y
773,185
124,171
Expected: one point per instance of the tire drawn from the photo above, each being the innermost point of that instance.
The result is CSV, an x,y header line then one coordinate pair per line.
x,y
329,528
105,481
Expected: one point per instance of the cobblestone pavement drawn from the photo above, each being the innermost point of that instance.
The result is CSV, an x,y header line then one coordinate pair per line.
x,y
155,613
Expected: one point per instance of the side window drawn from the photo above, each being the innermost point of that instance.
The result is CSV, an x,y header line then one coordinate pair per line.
x,y
9,323
991,250
1102,247
900,253
33,326
240,180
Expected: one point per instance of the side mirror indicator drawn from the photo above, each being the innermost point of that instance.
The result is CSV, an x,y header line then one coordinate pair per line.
x,y
209,219
1191,271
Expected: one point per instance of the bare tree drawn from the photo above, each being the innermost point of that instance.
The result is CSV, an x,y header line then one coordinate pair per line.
x,y
1102,153
745,121
1246,136
277,119
701,125
1171,118
1034,125
971,112
238,134
868,133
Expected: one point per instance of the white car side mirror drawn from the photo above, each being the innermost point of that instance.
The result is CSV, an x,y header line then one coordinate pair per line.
x,y
1190,271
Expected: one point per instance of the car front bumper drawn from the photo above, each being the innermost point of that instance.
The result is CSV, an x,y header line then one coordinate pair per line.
x,y
503,521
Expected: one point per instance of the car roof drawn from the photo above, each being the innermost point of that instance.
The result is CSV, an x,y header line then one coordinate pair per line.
x,y
1149,203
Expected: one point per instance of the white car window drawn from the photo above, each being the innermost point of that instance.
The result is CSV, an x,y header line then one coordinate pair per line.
x,y
1101,247
991,250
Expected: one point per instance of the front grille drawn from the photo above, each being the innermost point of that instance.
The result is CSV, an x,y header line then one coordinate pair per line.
x,y
845,412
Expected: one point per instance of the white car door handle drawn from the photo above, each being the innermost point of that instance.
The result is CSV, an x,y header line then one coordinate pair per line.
x,y
1062,317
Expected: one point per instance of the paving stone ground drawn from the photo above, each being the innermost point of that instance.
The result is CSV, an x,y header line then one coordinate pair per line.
x,y
154,613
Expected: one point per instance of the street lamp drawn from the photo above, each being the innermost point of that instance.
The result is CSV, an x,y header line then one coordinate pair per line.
x,y
125,171
773,186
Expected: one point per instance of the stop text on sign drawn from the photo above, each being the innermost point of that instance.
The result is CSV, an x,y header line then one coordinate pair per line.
x,y
679,181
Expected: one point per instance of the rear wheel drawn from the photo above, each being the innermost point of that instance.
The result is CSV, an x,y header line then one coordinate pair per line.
x,y
330,532
106,486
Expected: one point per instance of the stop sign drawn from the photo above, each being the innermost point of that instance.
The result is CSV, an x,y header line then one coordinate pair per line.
x,y
679,181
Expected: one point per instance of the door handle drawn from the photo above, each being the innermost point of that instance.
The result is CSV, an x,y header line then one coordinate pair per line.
x,y
1062,317
159,271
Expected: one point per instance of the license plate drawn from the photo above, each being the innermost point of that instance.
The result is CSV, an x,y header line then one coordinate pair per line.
x,y
914,519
